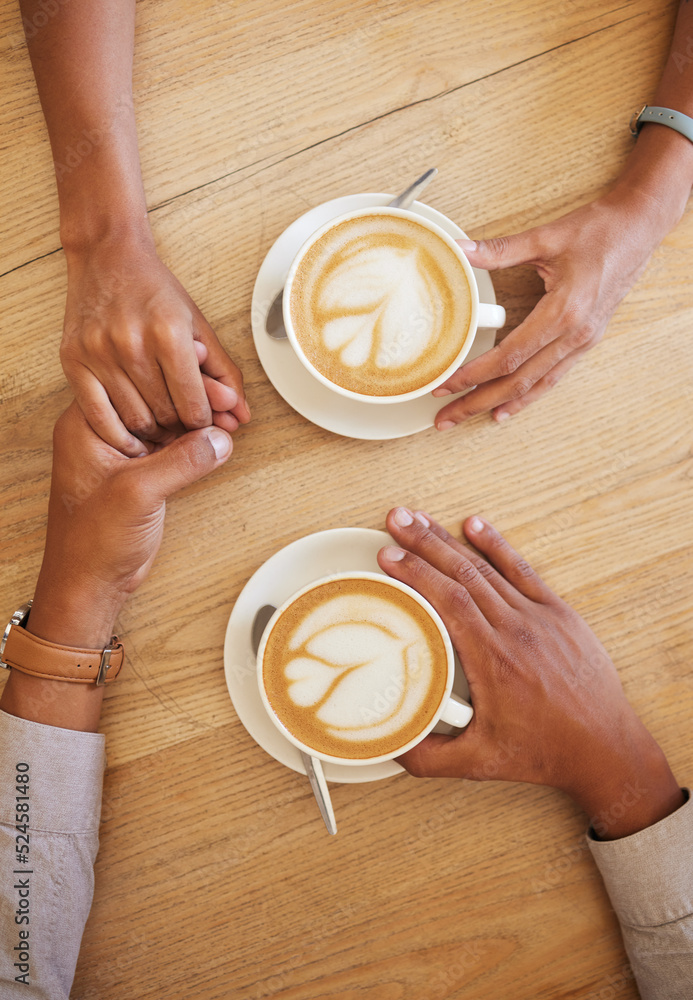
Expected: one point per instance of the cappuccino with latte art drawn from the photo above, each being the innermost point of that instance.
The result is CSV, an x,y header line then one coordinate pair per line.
x,y
355,668
380,304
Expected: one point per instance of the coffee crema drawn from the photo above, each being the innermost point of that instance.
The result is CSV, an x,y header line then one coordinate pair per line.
x,y
355,668
380,305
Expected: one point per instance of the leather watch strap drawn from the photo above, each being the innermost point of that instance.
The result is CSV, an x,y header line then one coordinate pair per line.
x,y
30,655
663,116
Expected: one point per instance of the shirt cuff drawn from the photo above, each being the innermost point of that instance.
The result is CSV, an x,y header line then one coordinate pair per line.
x,y
648,875
65,771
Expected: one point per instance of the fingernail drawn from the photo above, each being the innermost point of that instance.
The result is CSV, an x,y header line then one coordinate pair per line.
x,y
233,398
476,525
403,517
392,553
500,417
220,441
422,519
468,246
442,392
445,425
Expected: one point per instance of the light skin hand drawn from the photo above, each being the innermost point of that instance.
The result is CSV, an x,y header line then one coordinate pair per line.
x,y
138,352
588,260
549,707
105,524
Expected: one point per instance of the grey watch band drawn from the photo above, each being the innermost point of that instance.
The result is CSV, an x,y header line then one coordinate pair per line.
x,y
662,116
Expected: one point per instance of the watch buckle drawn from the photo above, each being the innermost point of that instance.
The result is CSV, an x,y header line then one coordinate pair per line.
x,y
634,130
19,617
105,664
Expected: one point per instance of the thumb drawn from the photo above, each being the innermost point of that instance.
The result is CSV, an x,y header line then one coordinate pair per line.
x,y
503,251
439,756
184,461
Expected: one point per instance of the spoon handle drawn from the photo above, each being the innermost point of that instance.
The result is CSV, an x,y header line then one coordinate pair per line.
x,y
316,776
405,199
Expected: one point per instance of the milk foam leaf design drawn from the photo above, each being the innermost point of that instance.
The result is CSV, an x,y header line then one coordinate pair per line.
x,y
380,306
331,653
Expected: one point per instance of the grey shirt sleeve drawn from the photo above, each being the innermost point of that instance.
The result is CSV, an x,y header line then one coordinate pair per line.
x,y
649,878
45,900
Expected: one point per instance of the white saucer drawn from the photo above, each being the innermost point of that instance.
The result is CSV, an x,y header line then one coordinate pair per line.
x,y
307,559
296,385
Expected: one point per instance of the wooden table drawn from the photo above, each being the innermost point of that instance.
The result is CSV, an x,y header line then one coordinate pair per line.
x,y
215,877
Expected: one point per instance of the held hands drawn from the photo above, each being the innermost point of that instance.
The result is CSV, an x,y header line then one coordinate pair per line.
x,y
142,360
588,260
105,521
548,704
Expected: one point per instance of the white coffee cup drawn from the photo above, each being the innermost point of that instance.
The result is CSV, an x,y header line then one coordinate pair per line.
x,y
483,314
452,710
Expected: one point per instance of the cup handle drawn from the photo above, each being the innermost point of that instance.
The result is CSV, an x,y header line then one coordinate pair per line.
x,y
491,317
457,713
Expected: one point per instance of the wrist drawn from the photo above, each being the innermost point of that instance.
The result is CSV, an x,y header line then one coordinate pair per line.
x,y
657,178
83,617
101,192
630,787
105,232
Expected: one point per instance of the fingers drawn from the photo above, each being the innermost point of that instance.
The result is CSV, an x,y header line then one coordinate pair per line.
x,y
510,370
132,408
218,365
221,397
545,323
103,418
507,561
440,756
183,381
413,533
182,462
547,381
453,602
503,251
499,583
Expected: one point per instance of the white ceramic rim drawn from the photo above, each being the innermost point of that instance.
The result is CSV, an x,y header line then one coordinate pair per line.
x,y
379,578
427,224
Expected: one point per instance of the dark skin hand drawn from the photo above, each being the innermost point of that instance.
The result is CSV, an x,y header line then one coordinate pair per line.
x,y
105,524
141,358
549,707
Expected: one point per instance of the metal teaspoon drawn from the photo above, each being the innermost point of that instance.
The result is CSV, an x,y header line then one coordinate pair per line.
x,y
313,765
274,324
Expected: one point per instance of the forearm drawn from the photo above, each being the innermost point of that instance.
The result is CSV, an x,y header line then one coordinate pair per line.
x,y
660,167
82,61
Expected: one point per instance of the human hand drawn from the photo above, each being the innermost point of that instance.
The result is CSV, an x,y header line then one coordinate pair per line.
x,y
140,356
105,523
588,260
549,707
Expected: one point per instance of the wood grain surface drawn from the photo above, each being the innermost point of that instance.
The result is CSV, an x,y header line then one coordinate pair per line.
x,y
215,877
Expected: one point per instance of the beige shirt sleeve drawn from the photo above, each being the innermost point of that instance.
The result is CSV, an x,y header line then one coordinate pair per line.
x,y
649,878
45,900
